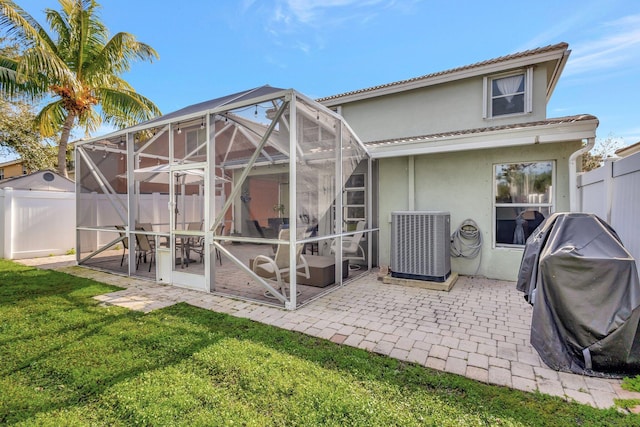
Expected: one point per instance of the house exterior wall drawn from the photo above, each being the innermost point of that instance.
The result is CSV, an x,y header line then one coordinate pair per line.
x,y
12,170
462,184
434,109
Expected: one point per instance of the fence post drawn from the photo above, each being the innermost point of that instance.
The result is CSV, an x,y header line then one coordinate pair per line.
x,y
7,224
608,187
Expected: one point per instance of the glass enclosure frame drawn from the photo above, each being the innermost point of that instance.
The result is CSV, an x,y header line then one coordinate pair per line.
x,y
253,166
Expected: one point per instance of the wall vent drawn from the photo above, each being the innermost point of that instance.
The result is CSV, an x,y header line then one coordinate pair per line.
x,y
420,245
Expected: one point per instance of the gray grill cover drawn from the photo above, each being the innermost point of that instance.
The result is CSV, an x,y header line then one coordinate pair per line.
x,y
585,292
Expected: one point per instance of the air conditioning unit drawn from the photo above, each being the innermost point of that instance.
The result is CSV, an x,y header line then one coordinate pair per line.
x,y
420,244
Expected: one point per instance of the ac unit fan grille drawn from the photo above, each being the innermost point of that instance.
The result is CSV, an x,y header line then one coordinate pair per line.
x,y
420,245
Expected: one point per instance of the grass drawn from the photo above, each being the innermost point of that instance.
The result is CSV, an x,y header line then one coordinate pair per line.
x,y
631,383
66,360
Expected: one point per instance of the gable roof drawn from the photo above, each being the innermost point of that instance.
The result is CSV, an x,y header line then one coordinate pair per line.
x,y
558,52
544,131
43,180
218,102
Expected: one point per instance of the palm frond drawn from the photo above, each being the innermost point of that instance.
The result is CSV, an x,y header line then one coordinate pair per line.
x,y
126,108
90,121
56,71
50,119
10,84
119,52
21,26
60,27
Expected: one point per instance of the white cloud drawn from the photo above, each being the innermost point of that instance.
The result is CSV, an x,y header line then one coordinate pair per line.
x,y
310,11
619,47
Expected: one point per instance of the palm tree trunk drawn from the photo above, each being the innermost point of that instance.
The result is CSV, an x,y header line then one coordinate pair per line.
x,y
62,145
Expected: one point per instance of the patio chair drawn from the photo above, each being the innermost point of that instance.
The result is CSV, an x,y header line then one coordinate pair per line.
x,y
219,232
152,242
197,244
125,243
277,268
145,248
351,248
187,244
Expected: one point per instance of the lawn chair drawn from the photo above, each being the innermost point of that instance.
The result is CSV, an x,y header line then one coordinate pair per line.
x,y
277,268
351,247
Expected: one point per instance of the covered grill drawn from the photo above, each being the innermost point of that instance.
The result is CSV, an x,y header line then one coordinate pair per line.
x,y
584,288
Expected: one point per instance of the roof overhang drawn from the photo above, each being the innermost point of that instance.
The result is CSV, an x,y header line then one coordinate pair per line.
x,y
558,53
543,133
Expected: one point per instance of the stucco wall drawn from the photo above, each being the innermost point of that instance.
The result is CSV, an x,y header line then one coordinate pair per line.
x,y
462,184
435,109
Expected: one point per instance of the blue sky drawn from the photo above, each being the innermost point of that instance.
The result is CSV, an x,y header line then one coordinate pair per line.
x,y
324,47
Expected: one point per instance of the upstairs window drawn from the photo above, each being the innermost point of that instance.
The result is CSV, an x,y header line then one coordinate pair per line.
x,y
508,94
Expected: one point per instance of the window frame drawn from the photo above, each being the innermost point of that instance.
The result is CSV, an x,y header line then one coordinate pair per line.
x,y
355,186
200,146
487,87
494,205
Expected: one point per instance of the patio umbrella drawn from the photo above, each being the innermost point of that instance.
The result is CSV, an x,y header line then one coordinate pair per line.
x,y
159,174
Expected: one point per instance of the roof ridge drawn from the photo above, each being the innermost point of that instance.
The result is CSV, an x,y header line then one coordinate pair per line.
x,y
561,45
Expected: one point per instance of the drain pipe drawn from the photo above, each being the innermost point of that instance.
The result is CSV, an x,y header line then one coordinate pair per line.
x,y
411,172
573,174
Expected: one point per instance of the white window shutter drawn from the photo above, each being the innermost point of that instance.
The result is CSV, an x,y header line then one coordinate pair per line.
x,y
528,90
485,97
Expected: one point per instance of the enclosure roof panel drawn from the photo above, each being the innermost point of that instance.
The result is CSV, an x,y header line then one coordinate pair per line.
x,y
218,102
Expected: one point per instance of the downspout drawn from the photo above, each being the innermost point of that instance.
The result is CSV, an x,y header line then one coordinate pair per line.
x,y
411,183
573,174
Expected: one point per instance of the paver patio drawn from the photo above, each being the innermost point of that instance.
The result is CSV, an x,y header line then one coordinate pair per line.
x,y
480,329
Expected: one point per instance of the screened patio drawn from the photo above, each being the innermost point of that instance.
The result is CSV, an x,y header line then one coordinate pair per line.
x,y
263,195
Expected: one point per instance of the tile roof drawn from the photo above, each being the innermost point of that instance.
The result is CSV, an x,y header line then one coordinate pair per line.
x,y
422,138
531,52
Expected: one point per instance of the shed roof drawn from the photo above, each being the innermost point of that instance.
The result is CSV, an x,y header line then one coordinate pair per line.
x,y
45,180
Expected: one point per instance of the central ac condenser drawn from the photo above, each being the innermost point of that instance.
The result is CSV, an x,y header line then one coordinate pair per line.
x,y
420,245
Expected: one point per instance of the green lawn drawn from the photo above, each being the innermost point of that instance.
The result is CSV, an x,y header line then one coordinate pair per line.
x,y
65,360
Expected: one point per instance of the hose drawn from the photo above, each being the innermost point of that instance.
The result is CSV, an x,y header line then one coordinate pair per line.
x,y
466,241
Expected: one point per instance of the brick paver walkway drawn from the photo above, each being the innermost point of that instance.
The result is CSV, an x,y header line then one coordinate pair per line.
x,y
480,329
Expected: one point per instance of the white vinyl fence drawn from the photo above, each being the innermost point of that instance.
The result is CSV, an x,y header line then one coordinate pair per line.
x,y
613,193
153,209
36,223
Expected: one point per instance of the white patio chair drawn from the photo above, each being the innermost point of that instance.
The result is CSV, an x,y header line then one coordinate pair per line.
x,y
351,248
277,268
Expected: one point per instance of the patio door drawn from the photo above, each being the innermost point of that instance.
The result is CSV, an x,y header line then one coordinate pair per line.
x,y
189,250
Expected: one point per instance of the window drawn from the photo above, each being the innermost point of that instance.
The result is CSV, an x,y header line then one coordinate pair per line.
x,y
523,198
354,201
508,94
1,173
24,170
194,141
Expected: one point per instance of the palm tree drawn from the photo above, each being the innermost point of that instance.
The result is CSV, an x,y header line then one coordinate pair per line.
x,y
76,71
